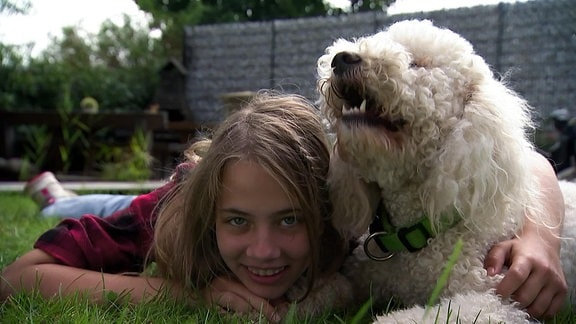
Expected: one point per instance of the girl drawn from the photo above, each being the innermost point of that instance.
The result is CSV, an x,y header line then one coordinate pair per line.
x,y
241,228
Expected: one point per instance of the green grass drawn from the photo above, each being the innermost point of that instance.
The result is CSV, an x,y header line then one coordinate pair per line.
x,y
21,224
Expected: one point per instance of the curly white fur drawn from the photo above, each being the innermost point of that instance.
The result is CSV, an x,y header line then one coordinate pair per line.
x,y
439,133
329,293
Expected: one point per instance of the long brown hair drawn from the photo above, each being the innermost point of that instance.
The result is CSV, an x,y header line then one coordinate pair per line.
x,y
284,135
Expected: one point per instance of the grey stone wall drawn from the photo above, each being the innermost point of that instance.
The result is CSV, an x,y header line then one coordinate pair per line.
x,y
533,43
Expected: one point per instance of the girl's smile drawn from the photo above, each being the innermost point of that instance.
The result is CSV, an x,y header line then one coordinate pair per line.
x,y
266,276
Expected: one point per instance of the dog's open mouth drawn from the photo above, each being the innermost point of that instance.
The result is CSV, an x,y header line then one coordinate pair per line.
x,y
359,114
360,109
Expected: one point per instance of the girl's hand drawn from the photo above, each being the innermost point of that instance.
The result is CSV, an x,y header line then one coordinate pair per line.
x,y
534,277
233,296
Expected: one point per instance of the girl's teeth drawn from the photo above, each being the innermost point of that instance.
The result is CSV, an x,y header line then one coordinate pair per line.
x,y
265,272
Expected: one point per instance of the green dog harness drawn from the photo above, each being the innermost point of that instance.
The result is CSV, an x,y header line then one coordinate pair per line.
x,y
412,238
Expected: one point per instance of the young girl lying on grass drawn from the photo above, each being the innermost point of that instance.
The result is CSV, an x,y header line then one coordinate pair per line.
x,y
247,228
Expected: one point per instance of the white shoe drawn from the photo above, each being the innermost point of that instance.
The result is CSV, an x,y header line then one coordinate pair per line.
x,y
45,189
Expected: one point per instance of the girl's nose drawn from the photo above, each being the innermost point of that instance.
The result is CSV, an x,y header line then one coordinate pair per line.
x,y
263,245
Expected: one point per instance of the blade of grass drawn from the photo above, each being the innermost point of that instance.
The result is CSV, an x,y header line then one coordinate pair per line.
x,y
445,274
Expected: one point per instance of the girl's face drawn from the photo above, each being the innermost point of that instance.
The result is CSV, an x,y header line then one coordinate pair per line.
x,y
261,235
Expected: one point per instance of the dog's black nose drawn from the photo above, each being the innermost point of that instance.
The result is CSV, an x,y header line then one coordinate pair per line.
x,y
344,61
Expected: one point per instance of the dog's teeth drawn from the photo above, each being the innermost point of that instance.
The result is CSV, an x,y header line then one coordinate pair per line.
x,y
354,110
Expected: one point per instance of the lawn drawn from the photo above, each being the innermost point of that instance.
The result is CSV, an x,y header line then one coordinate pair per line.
x,y
21,225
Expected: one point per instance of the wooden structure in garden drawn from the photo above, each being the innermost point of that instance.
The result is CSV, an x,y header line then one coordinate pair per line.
x,y
170,94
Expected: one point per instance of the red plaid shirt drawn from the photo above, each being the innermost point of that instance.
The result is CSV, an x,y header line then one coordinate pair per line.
x,y
113,244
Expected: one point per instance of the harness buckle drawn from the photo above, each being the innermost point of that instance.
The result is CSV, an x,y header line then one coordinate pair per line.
x,y
404,232
412,239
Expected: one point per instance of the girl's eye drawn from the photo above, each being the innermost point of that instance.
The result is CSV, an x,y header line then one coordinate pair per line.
x,y
289,220
237,221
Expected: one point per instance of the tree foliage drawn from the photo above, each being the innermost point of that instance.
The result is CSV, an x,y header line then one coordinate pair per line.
x,y
170,17
219,11
14,6
118,67
369,5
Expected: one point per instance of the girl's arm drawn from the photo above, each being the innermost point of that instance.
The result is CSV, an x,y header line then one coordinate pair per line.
x,y
535,278
37,270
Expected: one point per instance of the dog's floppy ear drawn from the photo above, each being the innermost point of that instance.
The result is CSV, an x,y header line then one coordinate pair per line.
x,y
482,156
353,200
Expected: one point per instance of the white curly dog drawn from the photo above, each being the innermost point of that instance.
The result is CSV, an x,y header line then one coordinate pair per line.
x,y
431,149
